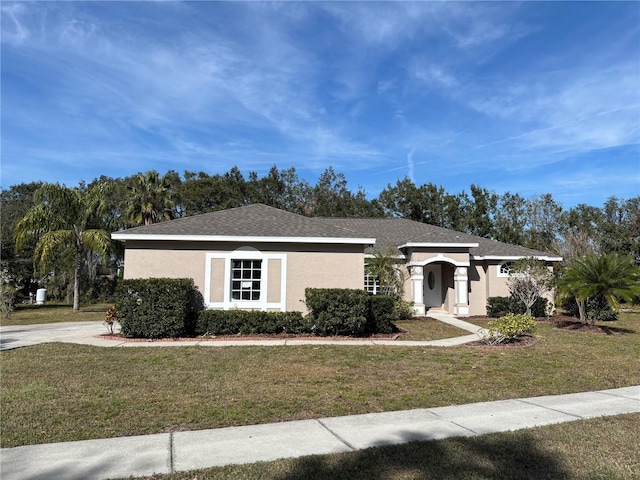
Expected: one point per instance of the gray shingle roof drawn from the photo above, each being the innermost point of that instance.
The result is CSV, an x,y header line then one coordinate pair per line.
x,y
251,221
263,221
390,233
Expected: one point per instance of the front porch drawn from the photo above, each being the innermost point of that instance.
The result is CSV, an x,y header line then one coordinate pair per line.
x,y
441,287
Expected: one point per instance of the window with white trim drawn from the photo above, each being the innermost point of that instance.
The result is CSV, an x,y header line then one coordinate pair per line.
x,y
246,277
504,269
371,283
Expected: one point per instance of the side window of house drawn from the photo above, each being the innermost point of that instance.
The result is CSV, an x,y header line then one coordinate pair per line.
x,y
371,283
504,269
246,277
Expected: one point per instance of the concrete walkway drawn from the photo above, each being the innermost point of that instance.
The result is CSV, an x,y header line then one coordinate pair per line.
x,y
182,451
87,333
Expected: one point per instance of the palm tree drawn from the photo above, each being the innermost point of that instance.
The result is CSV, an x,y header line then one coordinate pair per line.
x,y
59,221
150,198
387,269
612,276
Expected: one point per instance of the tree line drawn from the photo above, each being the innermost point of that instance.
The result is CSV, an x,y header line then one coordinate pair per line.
x,y
109,204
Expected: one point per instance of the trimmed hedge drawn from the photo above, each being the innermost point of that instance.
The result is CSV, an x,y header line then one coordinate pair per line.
x,y
500,306
166,308
337,311
350,312
382,309
157,307
247,322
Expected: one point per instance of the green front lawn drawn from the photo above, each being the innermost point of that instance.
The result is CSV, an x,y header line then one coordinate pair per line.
x,y
427,329
55,312
61,392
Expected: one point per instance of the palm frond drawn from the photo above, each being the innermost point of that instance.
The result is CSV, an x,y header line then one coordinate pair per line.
x,y
49,245
98,241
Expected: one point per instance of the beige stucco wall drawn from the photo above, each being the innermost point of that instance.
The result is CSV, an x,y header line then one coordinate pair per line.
x,y
157,263
477,289
431,255
317,266
322,269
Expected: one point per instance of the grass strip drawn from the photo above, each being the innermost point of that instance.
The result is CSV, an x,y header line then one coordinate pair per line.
x,y
54,313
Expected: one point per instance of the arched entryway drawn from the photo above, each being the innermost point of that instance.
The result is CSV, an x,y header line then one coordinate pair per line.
x,y
440,284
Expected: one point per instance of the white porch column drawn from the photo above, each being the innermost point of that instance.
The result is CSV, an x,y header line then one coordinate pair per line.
x,y
417,290
461,286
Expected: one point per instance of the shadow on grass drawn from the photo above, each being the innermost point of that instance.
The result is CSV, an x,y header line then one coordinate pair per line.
x,y
588,328
46,306
487,457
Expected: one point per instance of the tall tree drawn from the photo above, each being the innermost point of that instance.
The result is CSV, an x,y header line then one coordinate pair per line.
x,y
59,221
150,197
511,219
330,197
543,219
202,193
279,189
480,212
403,200
579,233
620,226
612,276
16,266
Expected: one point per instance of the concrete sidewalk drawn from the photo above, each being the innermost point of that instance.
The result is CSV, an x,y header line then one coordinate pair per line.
x,y
88,333
182,451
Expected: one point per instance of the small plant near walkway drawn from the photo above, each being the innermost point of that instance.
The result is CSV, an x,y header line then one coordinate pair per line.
x,y
110,319
509,328
8,295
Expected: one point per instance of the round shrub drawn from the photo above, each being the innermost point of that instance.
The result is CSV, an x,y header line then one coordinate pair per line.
x,y
510,327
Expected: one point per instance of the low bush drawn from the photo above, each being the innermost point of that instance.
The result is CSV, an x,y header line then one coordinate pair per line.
x,y
500,306
8,298
597,309
337,311
350,312
157,307
509,328
381,314
403,310
247,322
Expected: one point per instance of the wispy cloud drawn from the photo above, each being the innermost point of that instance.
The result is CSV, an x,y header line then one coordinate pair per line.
x,y
437,91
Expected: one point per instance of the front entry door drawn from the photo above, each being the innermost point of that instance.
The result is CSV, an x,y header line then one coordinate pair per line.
x,y
433,286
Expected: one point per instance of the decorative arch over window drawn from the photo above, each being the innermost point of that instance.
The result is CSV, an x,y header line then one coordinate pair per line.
x,y
504,269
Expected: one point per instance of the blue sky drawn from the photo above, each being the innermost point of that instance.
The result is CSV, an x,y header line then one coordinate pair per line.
x,y
533,97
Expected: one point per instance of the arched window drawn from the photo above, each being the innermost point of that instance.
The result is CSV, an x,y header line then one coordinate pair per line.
x,y
505,268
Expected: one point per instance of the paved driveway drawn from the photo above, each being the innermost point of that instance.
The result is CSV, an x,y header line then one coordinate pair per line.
x,y
16,336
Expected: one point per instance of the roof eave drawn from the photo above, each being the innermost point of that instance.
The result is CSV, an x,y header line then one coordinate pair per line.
x,y
547,258
438,245
239,238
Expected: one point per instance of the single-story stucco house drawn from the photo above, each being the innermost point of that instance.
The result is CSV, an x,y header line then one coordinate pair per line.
x,y
263,258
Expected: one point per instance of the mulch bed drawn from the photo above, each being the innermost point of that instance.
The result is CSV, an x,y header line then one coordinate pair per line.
x,y
561,322
526,341
575,325
122,338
